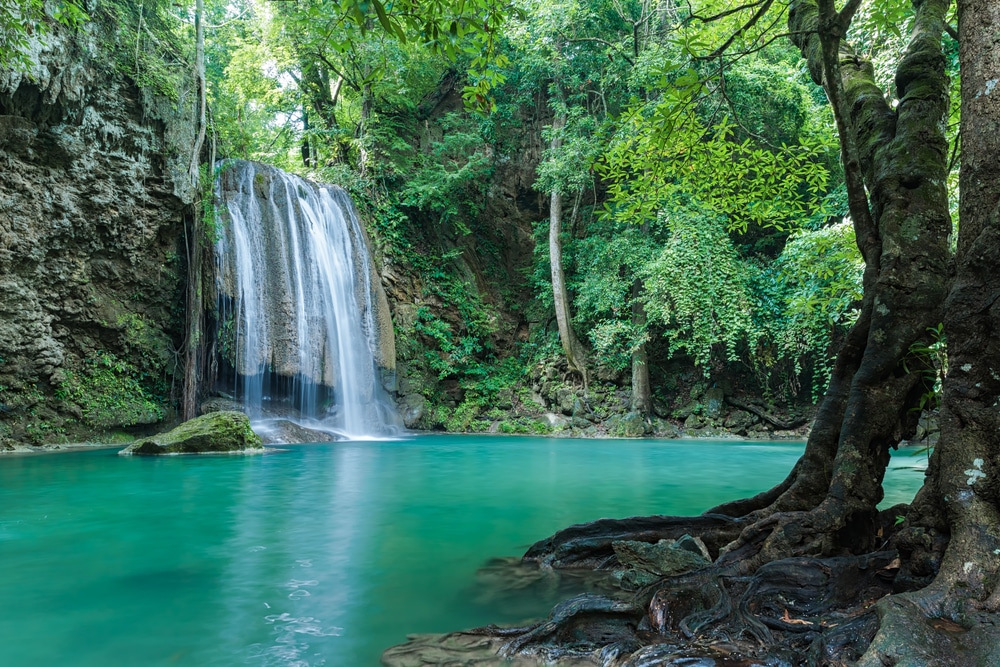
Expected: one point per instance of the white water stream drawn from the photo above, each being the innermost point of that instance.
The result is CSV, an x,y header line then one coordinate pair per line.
x,y
297,304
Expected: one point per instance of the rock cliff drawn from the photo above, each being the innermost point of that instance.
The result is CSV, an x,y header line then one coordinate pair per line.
x,y
93,194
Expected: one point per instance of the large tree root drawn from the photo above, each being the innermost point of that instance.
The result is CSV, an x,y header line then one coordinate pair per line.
x,y
589,544
799,611
913,632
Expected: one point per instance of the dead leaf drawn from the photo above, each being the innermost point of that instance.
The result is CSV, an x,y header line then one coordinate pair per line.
x,y
946,625
794,621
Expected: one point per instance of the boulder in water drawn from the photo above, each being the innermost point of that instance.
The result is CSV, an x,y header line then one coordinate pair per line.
x,y
224,432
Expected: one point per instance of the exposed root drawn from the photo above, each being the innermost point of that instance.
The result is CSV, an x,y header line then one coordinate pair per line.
x,y
589,545
795,612
915,631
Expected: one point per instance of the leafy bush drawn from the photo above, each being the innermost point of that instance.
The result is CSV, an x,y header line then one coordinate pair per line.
x,y
700,290
109,393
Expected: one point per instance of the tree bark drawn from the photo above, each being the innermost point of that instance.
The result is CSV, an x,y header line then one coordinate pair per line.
x,y
902,228
575,354
189,407
961,483
642,394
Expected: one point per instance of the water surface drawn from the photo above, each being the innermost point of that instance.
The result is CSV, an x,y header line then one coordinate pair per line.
x,y
321,554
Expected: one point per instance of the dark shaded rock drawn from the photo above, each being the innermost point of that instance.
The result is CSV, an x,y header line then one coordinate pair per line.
x,y
664,429
694,545
739,421
693,422
714,402
227,432
412,409
665,558
643,563
565,398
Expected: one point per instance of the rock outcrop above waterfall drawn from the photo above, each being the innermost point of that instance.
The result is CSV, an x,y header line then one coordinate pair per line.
x,y
92,194
217,432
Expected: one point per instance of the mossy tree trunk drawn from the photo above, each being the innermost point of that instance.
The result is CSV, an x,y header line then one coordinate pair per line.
x,y
959,504
896,168
642,393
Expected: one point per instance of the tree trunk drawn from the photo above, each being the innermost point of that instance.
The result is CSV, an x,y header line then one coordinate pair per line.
x,y
366,112
960,500
575,354
642,395
189,408
902,231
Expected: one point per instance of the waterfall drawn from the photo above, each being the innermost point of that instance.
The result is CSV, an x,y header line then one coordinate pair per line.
x,y
303,328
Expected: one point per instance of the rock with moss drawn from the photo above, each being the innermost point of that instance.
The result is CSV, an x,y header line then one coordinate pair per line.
x,y
632,425
223,432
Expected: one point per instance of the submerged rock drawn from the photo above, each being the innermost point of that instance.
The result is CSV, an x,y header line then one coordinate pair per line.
x,y
285,432
227,432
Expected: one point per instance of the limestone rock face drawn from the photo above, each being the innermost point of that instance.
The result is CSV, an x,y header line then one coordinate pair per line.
x,y
93,185
223,432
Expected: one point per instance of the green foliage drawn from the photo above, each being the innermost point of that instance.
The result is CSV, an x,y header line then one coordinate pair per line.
x,y
450,178
699,289
109,392
24,20
930,356
810,298
657,157
146,44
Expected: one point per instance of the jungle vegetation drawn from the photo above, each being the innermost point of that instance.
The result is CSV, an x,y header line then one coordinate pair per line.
x,y
806,188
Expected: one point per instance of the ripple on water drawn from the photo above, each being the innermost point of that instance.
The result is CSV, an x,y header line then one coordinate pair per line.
x,y
289,648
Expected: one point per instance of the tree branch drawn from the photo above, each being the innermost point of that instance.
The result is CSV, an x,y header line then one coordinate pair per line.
x,y
723,14
751,22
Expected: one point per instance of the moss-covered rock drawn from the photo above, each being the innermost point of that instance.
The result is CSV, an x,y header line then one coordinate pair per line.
x,y
227,432
632,425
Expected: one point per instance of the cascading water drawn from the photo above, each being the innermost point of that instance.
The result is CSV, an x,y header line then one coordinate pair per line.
x,y
303,326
